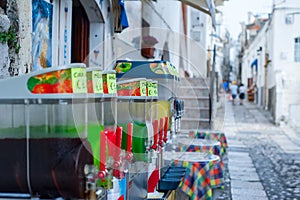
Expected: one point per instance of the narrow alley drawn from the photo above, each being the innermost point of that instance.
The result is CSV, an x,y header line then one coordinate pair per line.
x,y
130,99
263,159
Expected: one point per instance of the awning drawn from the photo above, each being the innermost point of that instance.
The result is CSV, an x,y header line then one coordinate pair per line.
x,y
254,63
206,6
124,20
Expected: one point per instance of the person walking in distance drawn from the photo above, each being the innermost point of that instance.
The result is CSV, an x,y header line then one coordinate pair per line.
x,y
233,89
242,93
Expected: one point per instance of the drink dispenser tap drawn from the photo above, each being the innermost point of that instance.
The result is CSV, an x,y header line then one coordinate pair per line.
x,y
178,114
161,128
166,126
103,142
129,155
155,133
181,111
173,115
116,166
91,172
116,154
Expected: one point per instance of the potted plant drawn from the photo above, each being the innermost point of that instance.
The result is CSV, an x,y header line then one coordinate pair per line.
x,y
148,43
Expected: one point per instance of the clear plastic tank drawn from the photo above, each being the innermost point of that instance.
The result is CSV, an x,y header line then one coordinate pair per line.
x,y
43,139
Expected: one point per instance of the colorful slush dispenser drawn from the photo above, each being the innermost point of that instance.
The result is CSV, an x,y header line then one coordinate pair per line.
x,y
134,111
43,134
164,78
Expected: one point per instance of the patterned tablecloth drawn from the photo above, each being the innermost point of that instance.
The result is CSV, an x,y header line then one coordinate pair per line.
x,y
213,135
199,145
204,172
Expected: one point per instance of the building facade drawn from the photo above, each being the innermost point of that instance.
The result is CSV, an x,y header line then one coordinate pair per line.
x,y
59,32
271,61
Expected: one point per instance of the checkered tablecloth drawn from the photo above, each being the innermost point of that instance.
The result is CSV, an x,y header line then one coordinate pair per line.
x,y
199,145
216,172
215,135
196,182
216,150
201,176
217,175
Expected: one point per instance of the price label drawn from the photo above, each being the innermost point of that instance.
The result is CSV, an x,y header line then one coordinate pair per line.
x,y
149,87
155,89
143,88
97,82
111,83
79,80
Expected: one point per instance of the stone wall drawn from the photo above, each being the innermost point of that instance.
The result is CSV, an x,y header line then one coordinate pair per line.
x,y
12,14
4,56
15,58
19,12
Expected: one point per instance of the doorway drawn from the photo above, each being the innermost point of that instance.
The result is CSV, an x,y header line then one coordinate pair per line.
x,y
80,34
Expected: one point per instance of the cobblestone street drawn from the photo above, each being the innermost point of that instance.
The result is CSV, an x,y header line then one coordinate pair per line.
x,y
263,159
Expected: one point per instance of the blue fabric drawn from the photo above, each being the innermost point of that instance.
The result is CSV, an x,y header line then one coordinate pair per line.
x,y
124,20
254,63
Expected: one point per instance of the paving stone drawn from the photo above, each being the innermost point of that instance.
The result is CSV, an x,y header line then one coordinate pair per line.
x,y
248,197
244,177
238,154
248,169
246,184
263,159
241,165
250,192
286,144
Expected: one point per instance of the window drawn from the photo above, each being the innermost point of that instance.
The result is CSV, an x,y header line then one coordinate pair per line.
x,y
297,49
289,19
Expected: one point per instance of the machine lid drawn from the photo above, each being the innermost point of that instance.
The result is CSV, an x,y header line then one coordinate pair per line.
x,y
109,72
90,69
59,82
131,80
156,69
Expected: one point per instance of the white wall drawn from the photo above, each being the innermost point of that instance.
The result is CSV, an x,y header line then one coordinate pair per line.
x,y
286,69
168,27
160,15
256,50
109,50
198,40
197,32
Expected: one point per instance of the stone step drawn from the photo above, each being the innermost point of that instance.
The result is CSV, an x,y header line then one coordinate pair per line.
x,y
195,102
194,82
193,123
196,112
183,119
192,91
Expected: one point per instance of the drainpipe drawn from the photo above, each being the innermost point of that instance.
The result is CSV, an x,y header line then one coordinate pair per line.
x,y
265,87
267,61
183,45
212,76
184,17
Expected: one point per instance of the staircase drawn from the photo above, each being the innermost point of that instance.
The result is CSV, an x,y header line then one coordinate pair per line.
x,y
195,93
